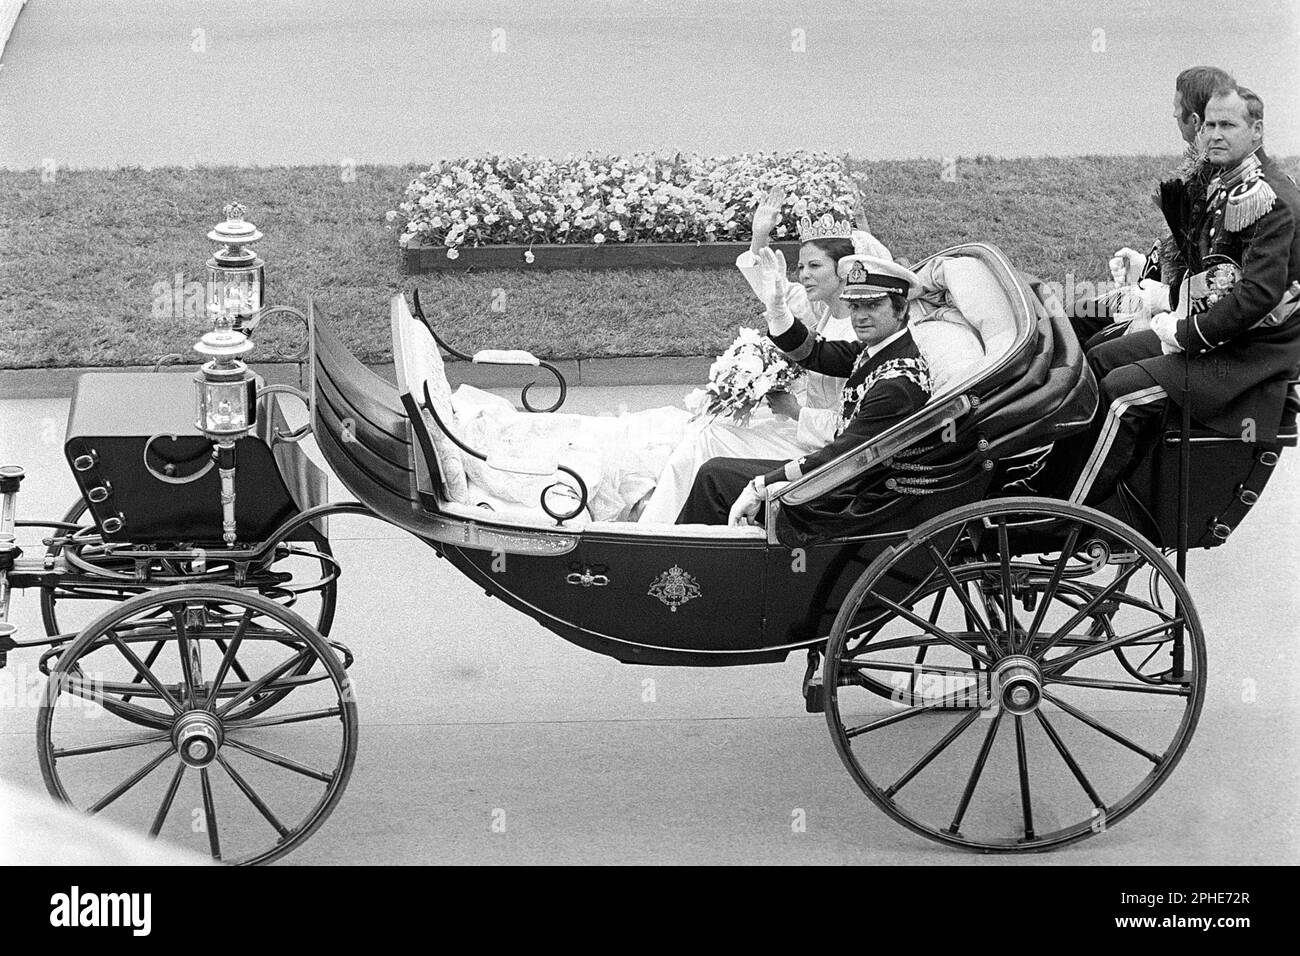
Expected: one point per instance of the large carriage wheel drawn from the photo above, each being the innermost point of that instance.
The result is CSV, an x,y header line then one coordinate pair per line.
x,y
178,747
1019,728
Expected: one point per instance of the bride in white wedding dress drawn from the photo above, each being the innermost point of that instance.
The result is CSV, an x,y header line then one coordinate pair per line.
x,y
791,429
624,458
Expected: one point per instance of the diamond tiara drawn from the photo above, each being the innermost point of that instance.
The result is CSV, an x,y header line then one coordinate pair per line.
x,y
824,227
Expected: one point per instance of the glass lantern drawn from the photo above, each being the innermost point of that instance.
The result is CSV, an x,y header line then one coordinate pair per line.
x,y
236,276
227,400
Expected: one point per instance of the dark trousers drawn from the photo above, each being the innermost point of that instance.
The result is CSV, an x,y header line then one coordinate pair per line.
x,y
1093,322
718,484
1085,468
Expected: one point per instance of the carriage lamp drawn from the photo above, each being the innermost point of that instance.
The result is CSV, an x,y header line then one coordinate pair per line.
x,y
226,394
236,276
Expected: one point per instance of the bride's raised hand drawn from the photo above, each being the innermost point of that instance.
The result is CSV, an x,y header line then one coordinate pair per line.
x,y
768,212
772,262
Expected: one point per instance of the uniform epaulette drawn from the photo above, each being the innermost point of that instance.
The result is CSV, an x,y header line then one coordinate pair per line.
x,y
1247,202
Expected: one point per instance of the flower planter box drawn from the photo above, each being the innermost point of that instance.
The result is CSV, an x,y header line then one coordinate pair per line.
x,y
418,260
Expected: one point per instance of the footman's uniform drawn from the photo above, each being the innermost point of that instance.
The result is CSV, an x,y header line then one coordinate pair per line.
x,y
1238,348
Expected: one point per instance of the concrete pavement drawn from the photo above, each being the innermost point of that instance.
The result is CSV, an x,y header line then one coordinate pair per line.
x,y
471,714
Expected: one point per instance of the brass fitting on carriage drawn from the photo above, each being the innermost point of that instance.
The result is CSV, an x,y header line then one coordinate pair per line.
x,y
11,477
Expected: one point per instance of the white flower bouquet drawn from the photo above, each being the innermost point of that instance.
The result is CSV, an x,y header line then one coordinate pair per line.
x,y
499,200
742,377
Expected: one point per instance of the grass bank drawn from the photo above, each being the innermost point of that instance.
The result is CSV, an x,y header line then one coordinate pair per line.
x,y
82,257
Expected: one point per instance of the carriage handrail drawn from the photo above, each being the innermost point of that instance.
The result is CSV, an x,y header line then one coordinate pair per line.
x,y
498,357
882,448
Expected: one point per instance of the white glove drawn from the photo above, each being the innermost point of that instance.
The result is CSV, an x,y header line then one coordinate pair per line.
x,y
1154,295
1165,325
1126,265
745,510
775,286
768,212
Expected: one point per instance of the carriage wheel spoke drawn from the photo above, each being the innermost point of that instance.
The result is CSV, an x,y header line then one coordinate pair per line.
x,y
1147,660
235,666
1121,579
210,814
930,754
1004,580
1101,728
955,826
947,670
131,781
148,662
1067,551
1068,660
938,632
183,649
168,798
1070,762
266,679
947,701
228,659
122,743
1176,690
145,672
253,797
298,718
81,687
960,590
1022,762
280,760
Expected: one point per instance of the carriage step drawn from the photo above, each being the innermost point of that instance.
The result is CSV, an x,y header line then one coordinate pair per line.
x,y
814,695
7,642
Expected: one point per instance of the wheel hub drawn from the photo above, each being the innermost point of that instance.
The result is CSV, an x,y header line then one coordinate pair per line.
x,y
197,737
1018,684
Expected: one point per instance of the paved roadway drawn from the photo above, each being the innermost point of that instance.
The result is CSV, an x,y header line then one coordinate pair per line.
x,y
468,708
120,82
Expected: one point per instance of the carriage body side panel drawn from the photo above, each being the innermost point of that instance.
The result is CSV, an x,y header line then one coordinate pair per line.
x,y
679,594
591,617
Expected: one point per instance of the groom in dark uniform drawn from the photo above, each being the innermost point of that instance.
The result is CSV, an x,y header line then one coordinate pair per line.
x,y
887,381
1233,338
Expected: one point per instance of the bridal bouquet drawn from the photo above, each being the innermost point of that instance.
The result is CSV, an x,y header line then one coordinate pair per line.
x,y
741,377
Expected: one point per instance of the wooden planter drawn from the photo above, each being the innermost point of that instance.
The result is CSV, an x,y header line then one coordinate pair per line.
x,y
417,260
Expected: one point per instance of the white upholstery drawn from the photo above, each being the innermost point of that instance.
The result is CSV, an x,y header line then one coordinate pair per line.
x,y
962,321
418,361
951,348
505,357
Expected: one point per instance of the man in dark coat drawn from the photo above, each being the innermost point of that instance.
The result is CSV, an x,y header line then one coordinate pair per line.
x,y
1231,339
1145,279
887,381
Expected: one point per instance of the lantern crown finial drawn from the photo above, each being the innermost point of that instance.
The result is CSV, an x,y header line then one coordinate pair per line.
x,y
235,231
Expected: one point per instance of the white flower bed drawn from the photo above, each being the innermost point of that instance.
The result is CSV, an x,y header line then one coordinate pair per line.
x,y
500,200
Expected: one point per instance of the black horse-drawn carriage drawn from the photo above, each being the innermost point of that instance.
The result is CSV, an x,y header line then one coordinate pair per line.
x,y
997,673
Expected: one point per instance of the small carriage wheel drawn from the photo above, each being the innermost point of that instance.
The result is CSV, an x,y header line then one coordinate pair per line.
x,y
115,592
1050,739
188,757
